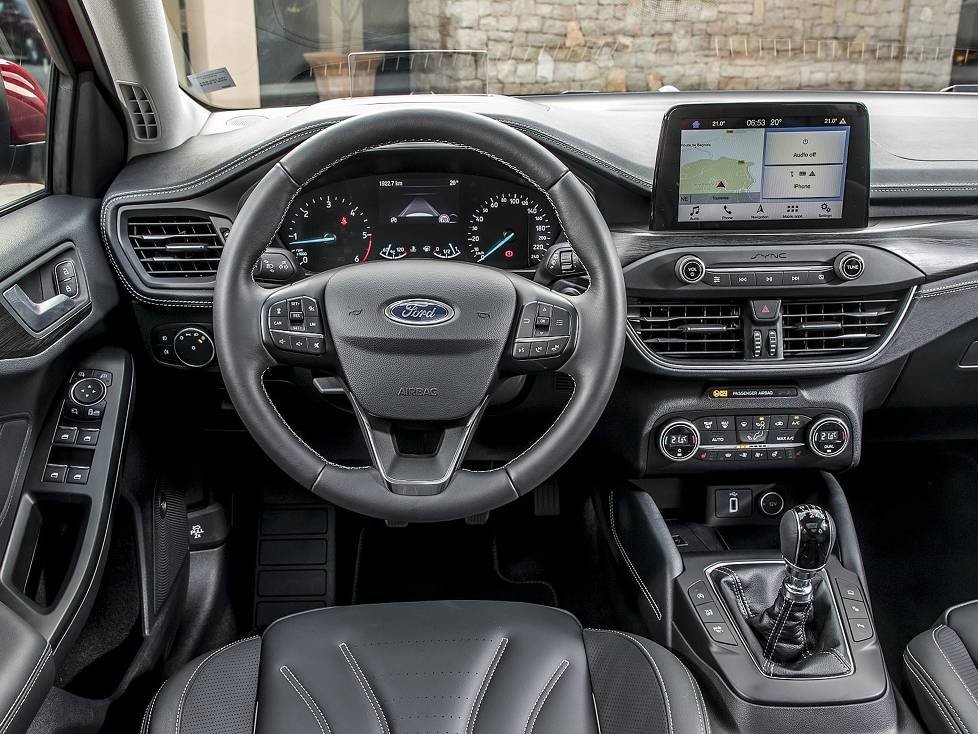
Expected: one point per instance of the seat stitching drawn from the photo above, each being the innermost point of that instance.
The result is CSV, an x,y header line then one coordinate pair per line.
x,y
940,709
704,729
25,691
933,634
738,590
368,691
477,704
921,669
628,561
148,716
306,698
658,674
186,688
531,720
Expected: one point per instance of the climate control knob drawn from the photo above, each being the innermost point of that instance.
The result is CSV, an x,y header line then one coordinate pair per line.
x,y
828,436
849,266
679,440
690,269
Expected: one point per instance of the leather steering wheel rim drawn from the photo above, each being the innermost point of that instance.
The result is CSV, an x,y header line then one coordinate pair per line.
x,y
244,357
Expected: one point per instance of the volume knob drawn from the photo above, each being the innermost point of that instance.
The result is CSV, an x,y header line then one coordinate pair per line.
x,y
690,269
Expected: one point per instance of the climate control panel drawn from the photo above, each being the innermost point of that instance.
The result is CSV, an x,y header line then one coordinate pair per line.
x,y
739,440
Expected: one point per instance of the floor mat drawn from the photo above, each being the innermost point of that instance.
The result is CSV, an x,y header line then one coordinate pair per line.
x,y
916,524
451,561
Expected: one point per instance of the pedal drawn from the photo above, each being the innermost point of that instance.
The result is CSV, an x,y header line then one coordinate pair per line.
x,y
546,499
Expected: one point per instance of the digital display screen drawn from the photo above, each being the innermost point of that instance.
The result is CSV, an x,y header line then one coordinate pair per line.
x,y
419,217
779,166
762,169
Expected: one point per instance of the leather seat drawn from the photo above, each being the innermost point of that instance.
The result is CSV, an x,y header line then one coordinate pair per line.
x,y
941,670
468,667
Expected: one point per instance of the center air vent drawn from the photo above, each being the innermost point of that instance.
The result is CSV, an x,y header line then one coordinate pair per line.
x,y
838,327
176,246
689,331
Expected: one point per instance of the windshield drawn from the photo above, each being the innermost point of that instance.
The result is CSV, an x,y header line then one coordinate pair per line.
x,y
267,53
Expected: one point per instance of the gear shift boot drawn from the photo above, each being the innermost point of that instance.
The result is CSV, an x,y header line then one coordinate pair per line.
x,y
787,639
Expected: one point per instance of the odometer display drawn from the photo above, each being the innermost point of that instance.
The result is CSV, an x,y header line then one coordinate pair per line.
x,y
509,230
326,231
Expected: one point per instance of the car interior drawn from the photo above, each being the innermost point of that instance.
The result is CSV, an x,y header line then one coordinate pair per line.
x,y
488,366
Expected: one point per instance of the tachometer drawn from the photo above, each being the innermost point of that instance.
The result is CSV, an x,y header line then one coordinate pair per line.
x,y
326,231
510,230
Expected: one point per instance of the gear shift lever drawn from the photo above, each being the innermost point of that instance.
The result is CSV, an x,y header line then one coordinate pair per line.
x,y
807,537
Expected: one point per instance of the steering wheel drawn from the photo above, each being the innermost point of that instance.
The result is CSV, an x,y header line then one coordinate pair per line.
x,y
418,343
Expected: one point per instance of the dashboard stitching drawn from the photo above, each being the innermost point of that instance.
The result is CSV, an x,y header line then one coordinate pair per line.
x,y
941,290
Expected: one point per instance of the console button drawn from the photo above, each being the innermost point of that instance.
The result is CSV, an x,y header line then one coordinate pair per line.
x,y
719,438
725,422
742,280
776,454
65,435
796,277
87,437
706,424
698,594
849,591
769,279
758,455
744,422
855,609
93,412
797,421
766,310
88,391
708,612
742,455
771,503
728,455
818,277
718,280
752,436
761,423
68,287
105,377
719,632
779,422
783,437
78,474
64,270
860,629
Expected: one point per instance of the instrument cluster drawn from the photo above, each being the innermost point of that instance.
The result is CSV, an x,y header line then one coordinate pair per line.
x,y
425,215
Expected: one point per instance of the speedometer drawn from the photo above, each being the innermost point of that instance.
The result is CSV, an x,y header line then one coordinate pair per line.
x,y
326,231
510,230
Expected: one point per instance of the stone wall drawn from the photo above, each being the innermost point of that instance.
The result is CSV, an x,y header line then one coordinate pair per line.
x,y
635,45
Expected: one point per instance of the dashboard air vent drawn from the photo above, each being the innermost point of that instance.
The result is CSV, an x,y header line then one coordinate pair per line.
x,y
176,246
689,331
838,327
142,114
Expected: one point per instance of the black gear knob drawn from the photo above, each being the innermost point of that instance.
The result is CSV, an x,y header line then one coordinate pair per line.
x,y
807,537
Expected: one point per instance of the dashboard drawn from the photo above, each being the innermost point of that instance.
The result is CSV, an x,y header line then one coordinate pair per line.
x,y
420,214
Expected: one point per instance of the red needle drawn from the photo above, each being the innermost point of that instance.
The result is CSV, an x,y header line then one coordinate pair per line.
x,y
370,244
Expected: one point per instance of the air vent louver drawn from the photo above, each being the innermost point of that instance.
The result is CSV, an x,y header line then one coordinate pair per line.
x,y
689,331
142,114
836,328
176,246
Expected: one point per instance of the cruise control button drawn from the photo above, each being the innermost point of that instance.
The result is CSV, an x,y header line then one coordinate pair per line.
x,y
278,323
521,350
279,310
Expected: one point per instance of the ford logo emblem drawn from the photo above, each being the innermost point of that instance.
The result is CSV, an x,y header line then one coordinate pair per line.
x,y
419,312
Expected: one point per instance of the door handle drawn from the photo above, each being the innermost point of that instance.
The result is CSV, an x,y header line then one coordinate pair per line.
x,y
38,316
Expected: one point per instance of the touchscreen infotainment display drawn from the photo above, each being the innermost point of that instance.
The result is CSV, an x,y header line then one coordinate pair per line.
x,y
772,167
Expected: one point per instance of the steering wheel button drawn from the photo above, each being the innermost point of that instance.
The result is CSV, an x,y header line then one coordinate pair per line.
x,y
279,310
282,339
299,342
296,317
544,310
557,346
521,350
310,306
315,345
560,322
314,325
538,348
278,323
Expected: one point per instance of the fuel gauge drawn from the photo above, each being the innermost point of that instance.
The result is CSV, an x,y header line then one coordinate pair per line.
x,y
448,251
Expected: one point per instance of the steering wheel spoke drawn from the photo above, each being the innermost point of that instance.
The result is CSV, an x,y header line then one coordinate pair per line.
x,y
545,333
417,459
293,325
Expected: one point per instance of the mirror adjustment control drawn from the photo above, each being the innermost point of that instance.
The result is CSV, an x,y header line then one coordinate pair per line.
x,y
690,269
849,266
88,391
828,436
679,440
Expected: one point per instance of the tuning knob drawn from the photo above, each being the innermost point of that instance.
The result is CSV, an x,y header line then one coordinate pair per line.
x,y
828,436
849,266
690,269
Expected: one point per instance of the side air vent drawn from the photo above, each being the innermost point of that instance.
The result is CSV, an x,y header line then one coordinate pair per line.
x,y
689,331
142,114
838,327
175,246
